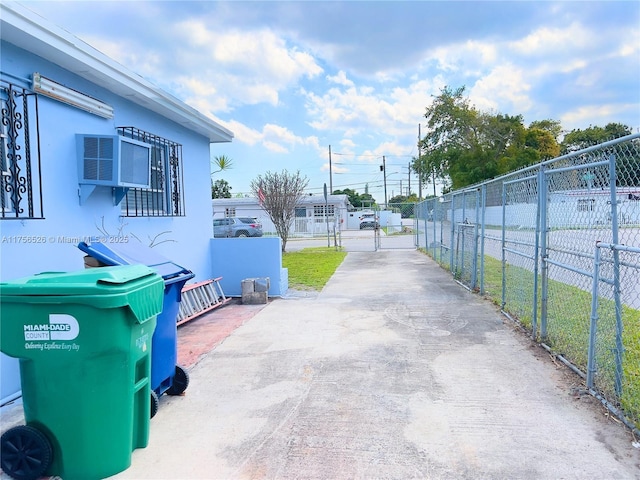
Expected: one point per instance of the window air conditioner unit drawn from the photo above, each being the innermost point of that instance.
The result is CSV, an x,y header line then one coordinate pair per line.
x,y
112,161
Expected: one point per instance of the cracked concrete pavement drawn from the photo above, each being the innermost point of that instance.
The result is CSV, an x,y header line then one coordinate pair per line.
x,y
392,371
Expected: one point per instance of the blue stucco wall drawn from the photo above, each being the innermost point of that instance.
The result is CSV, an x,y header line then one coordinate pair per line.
x,y
236,259
185,240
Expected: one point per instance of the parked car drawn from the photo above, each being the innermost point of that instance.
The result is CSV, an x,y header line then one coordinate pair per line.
x,y
237,227
368,220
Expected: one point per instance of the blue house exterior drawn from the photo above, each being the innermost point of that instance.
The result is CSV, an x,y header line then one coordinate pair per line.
x,y
46,206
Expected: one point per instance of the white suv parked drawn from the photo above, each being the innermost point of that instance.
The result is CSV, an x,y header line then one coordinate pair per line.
x,y
368,219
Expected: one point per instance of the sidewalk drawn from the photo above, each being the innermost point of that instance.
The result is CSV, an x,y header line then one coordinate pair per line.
x,y
392,371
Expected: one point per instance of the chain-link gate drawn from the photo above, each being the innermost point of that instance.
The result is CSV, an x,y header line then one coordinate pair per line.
x,y
464,233
520,248
613,350
397,227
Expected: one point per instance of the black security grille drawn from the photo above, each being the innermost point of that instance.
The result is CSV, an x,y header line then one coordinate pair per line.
x,y
20,185
165,198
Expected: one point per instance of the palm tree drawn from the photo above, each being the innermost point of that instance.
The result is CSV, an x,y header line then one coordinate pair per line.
x,y
222,162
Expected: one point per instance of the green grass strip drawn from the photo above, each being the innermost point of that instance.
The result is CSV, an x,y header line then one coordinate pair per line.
x,y
311,268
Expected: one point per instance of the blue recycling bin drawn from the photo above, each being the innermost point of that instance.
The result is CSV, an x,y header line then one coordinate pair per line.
x,y
166,375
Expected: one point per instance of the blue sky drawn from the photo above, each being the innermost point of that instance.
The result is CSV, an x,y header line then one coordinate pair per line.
x,y
291,79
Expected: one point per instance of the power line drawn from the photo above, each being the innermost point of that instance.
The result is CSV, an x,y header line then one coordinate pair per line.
x,y
356,154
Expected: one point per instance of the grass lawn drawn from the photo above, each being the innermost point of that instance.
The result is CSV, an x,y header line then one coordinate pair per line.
x,y
311,268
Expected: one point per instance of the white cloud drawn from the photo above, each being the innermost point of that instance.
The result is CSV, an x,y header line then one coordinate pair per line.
x,y
340,79
468,57
236,67
554,41
347,145
504,89
274,138
241,132
410,103
276,133
595,115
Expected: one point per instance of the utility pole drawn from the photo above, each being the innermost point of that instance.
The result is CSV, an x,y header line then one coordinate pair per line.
x,y
419,172
330,173
409,173
384,172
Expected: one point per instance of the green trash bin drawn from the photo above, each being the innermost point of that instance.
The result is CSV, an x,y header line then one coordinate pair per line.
x,y
84,341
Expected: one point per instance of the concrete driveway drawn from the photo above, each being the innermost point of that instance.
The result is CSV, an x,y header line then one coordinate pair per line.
x,y
393,371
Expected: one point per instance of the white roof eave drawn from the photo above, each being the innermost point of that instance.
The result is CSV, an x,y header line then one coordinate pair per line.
x,y
33,33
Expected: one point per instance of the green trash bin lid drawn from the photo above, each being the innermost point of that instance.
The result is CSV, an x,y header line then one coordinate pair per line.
x,y
135,286
82,282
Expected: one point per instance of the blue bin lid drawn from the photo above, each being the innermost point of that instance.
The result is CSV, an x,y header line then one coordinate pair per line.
x,y
135,253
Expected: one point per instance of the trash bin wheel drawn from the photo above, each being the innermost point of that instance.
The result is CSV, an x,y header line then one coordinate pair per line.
x,y
155,403
180,382
26,453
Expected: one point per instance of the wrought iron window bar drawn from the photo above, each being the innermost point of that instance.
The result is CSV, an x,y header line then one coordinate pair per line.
x,y
20,182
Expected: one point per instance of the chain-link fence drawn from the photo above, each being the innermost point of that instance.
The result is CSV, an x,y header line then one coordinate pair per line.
x,y
557,245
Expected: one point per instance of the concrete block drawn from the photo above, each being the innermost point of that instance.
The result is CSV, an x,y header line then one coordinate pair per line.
x,y
248,286
255,298
261,284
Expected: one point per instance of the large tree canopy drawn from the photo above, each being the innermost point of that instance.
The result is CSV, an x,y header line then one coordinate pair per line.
x,y
579,139
464,145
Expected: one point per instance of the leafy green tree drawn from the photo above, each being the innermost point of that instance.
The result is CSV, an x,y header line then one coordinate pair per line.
x,y
552,126
628,155
578,139
220,189
543,141
279,193
356,199
450,130
352,195
367,200
398,199
464,146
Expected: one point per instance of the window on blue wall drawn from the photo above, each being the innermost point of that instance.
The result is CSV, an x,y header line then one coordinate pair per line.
x,y
20,182
165,197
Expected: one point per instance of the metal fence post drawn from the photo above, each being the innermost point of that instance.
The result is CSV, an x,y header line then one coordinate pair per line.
x,y
616,271
593,326
453,219
461,239
544,267
434,215
503,256
482,234
474,262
